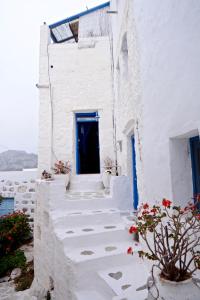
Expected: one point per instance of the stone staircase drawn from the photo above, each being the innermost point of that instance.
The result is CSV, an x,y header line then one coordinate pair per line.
x,y
94,238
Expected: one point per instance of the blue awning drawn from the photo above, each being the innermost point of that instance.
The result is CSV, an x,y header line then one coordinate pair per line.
x,y
67,29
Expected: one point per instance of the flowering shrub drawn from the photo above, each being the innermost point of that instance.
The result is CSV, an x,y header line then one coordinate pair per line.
x,y
12,260
14,230
172,237
62,168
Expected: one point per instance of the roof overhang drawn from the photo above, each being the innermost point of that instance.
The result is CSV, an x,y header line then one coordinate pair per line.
x,y
67,29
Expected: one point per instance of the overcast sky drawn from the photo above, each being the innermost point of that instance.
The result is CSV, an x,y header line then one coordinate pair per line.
x,y
20,22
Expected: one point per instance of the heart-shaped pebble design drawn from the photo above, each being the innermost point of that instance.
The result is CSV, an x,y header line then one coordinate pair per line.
x,y
110,248
116,275
87,229
109,227
87,252
125,287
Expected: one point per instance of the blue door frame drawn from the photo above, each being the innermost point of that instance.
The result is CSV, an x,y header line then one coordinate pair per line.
x,y
135,186
195,158
82,118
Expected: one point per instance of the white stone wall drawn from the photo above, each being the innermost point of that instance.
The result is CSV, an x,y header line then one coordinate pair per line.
x,y
164,91
128,108
20,185
73,78
94,24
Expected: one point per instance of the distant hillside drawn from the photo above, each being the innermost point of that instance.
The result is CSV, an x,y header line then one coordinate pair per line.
x,y
13,160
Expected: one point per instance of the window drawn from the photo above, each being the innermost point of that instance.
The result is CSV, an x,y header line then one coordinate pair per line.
x,y
7,206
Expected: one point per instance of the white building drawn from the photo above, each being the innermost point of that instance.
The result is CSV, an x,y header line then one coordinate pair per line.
x,y
157,92
120,80
76,97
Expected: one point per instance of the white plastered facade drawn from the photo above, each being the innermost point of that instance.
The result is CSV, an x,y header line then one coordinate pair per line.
x,y
74,78
157,97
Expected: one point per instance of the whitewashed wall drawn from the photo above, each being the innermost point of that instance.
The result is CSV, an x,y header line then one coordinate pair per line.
x,y
94,24
20,185
127,91
80,77
163,49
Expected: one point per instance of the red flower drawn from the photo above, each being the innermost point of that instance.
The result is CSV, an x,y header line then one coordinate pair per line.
x,y
154,210
10,238
133,229
198,217
130,250
166,203
145,212
146,206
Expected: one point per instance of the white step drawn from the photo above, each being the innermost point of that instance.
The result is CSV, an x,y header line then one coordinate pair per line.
x,y
132,294
100,260
81,203
89,295
86,183
93,235
125,279
65,219
107,252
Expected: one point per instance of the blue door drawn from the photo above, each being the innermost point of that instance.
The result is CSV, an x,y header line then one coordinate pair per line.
x,y
6,206
135,187
87,143
195,156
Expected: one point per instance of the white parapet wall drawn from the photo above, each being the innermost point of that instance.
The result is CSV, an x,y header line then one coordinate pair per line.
x,y
120,190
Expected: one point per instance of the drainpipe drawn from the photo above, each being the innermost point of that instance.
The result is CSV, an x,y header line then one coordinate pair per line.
x,y
113,93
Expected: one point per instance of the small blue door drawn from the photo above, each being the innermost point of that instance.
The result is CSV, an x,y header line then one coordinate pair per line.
x,y
6,206
87,143
135,187
195,156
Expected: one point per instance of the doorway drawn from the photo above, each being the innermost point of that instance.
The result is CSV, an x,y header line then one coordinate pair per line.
x,y
195,156
135,185
87,143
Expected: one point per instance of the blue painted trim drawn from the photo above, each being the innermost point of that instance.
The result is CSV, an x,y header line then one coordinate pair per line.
x,y
193,139
84,13
135,187
77,150
92,114
79,115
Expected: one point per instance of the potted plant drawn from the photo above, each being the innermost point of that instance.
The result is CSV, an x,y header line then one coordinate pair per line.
x,y
172,238
107,173
63,168
46,176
